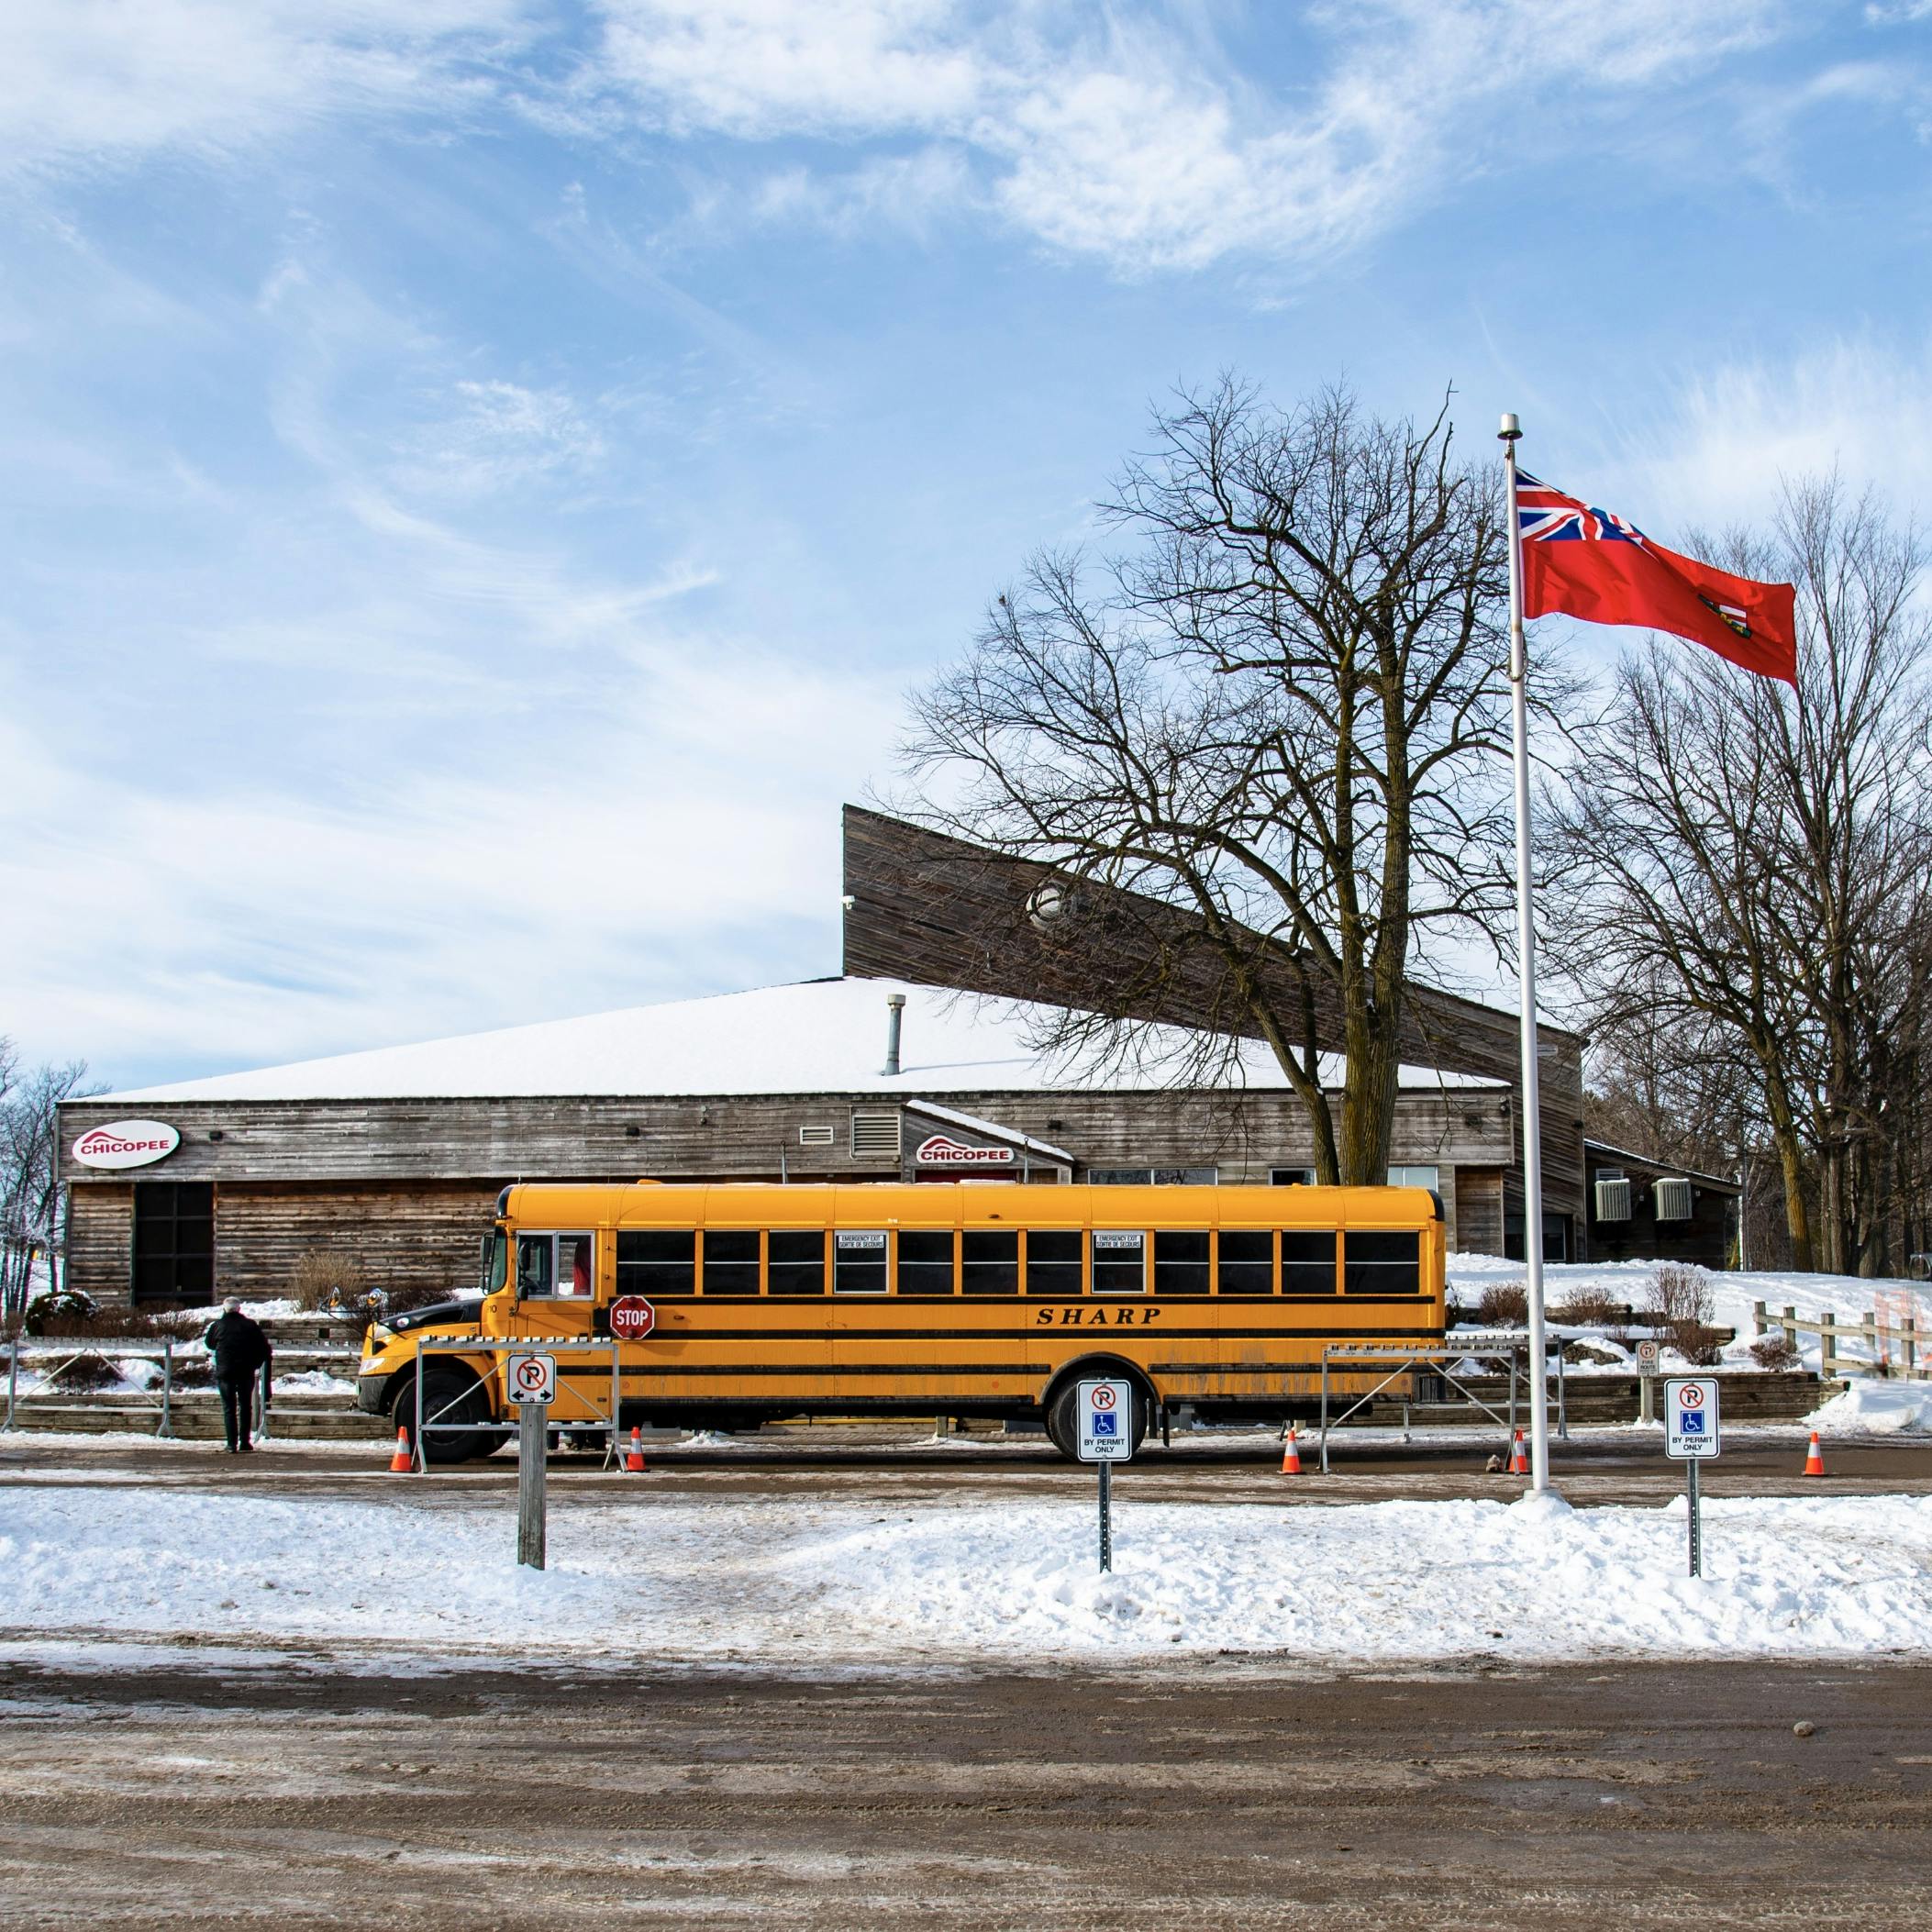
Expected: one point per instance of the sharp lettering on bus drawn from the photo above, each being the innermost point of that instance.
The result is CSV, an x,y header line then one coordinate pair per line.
x,y
1082,1317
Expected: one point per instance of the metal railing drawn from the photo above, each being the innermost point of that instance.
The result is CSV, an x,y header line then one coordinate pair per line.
x,y
1440,1357
160,1399
501,1347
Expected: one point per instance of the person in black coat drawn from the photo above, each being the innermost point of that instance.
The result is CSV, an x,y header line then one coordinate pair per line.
x,y
241,1352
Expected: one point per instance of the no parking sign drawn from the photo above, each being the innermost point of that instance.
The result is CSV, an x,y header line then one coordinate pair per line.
x,y
531,1378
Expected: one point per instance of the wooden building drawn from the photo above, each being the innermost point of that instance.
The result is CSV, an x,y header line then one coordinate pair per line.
x,y
395,1157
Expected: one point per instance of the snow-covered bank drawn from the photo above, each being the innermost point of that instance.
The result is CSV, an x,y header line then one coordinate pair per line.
x,y
1845,1297
770,1580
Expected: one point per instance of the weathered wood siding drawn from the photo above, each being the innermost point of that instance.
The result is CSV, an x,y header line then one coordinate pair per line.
x,y
415,1238
943,913
100,1237
1478,1227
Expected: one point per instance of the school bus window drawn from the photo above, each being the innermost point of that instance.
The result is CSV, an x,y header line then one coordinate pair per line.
x,y
1180,1263
1053,1262
550,1265
794,1263
1119,1262
989,1263
1308,1262
1382,1264
655,1261
730,1260
1246,1261
925,1262
858,1262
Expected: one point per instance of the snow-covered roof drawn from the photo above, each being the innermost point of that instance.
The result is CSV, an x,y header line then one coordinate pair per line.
x,y
817,1037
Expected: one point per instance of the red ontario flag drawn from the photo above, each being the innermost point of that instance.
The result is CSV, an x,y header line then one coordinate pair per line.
x,y
1586,563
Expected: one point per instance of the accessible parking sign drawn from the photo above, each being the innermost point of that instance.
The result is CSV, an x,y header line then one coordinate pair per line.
x,y
1690,1426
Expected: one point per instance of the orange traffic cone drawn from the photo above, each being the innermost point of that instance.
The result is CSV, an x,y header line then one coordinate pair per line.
x,y
1291,1456
402,1462
1814,1458
1519,1462
634,1462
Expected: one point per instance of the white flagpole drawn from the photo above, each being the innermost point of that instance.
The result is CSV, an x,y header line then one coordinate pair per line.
x,y
1526,974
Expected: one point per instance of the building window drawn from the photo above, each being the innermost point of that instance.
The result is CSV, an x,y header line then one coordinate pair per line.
x,y
1292,1176
875,1136
1153,1176
174,1241
1428,1177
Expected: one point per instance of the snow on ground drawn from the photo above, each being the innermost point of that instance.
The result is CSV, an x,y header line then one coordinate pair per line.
x,y
768,1580
1876,1408
1846,1297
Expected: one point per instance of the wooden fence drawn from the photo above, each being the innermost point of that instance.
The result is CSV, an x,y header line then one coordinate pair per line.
x,y
1893,1339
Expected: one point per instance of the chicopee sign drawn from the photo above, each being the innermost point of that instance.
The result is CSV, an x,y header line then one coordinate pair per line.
x,y
126,1143
942,1150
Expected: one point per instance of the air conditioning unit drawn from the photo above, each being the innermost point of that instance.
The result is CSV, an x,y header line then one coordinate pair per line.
x,y
1673,1200
875,1136
1612,1198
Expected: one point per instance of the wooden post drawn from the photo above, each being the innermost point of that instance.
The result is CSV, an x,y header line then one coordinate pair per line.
x,y
1760,1320
1790,1328
1908,1344
1828,1345
532,1441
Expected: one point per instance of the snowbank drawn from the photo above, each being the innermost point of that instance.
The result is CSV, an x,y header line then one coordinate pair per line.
x,y
722,1579
1877,1408
1845,1297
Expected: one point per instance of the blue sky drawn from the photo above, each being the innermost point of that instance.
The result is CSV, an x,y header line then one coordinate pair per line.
x,y
481,476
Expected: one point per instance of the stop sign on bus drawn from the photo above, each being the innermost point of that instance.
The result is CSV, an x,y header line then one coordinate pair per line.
x,y
632,1317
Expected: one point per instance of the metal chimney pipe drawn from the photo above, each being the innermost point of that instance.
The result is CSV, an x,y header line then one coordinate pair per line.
x,y
894,1008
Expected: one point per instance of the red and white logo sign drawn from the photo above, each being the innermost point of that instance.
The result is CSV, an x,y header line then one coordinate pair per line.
x,y
126,1143
632,1317
1104,1396
942,1150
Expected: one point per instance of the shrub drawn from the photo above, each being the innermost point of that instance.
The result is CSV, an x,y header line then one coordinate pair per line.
x,y
325,1276
86,1374
1774,1351
1505,1305
59,1305
1681,1304
1591,1308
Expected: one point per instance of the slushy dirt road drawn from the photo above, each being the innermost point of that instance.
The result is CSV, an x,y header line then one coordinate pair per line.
x,y
1212,1794
885,1463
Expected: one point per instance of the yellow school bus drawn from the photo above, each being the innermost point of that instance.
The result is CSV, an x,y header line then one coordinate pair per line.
x,y
776,1302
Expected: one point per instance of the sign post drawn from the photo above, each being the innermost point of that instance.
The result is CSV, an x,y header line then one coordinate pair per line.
x,y
1107,1437
531,1382
1692,1433
1649,1358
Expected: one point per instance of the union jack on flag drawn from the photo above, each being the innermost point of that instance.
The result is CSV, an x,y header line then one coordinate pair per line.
x,y
1587,563
1547,515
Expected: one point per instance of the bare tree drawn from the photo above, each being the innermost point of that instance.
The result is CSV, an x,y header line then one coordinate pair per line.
x,y
1740,854
31,1197
1274,710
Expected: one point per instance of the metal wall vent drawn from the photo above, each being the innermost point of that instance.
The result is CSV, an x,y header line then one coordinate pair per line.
x,y
816,1136
1673,1200
875,1136
1613,1199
